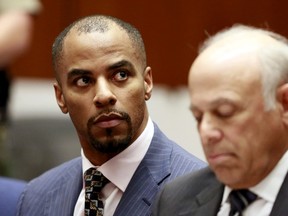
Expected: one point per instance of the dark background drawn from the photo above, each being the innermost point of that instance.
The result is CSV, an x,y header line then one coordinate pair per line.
x,y
172,29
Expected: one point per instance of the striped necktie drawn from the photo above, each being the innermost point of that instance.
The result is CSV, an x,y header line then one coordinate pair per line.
x,y
239,200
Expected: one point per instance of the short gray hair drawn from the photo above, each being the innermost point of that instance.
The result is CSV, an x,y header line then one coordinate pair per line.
x,y
273,58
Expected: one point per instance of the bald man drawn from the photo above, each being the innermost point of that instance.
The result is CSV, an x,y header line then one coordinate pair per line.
x,y
239,98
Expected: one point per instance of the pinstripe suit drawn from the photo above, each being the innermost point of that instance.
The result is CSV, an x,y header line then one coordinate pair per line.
x,y
56,191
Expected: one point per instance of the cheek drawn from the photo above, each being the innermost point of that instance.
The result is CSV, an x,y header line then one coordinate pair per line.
x,y
79,101
245,128
132,97
78,107
248,140
135,104
74,106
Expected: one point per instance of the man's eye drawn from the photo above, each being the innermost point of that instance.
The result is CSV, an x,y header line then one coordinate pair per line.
x,y
225,111
197,117
121,76
83,81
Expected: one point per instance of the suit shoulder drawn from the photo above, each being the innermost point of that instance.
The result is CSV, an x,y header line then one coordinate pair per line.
x,y
192,184
6,184
179,152
55,190
166,144
57,173
10,191
184,192
176,158
201,177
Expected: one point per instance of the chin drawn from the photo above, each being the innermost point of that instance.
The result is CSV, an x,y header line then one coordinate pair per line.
x,y
232,180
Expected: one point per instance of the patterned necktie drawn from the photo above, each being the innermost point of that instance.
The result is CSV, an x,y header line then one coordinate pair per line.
x,y
94,182
239,200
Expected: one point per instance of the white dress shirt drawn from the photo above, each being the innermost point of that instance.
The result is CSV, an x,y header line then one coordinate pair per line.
x,y
119,170
266,191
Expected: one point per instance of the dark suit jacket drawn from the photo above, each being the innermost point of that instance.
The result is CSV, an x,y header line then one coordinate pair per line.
x,y
200,194
56,191
10,191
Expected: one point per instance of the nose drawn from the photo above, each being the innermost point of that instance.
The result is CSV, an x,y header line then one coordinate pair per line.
x,y
104,96
209,130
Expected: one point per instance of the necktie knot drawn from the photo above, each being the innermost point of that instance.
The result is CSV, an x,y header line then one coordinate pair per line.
x,y
94,182
239,200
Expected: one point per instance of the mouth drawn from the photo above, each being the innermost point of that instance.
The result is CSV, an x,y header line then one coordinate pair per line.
x,y
219,158
108,120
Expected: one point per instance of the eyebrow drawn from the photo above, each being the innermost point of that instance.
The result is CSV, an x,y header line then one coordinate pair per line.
x,y
215,103
77,72
220,101
122,63
193,108
82,72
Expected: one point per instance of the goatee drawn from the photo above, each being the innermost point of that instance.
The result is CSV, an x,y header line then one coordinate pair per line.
x,y
111,145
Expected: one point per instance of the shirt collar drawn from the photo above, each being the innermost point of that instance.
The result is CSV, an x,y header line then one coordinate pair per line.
x,y
269,187
120,169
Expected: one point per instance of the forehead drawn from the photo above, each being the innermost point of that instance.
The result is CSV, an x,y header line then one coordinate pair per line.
x,y
97,39
97,48
218,75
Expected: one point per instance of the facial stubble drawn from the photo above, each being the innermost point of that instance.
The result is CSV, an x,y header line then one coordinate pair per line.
x,y
112,144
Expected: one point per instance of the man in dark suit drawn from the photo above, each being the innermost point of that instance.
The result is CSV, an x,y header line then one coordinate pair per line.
x,y
103,82
10,191
239,97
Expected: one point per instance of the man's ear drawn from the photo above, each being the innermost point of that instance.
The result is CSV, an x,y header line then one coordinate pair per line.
x,y
282,96
60,98
148,82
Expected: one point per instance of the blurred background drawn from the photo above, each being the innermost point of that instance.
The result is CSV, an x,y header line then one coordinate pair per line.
x,y
39,136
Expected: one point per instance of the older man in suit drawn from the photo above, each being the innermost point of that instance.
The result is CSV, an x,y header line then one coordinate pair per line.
x,y
239,97
103,82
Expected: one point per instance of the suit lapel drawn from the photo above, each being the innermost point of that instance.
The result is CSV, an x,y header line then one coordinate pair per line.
x,y
146,181
280,206
207,202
